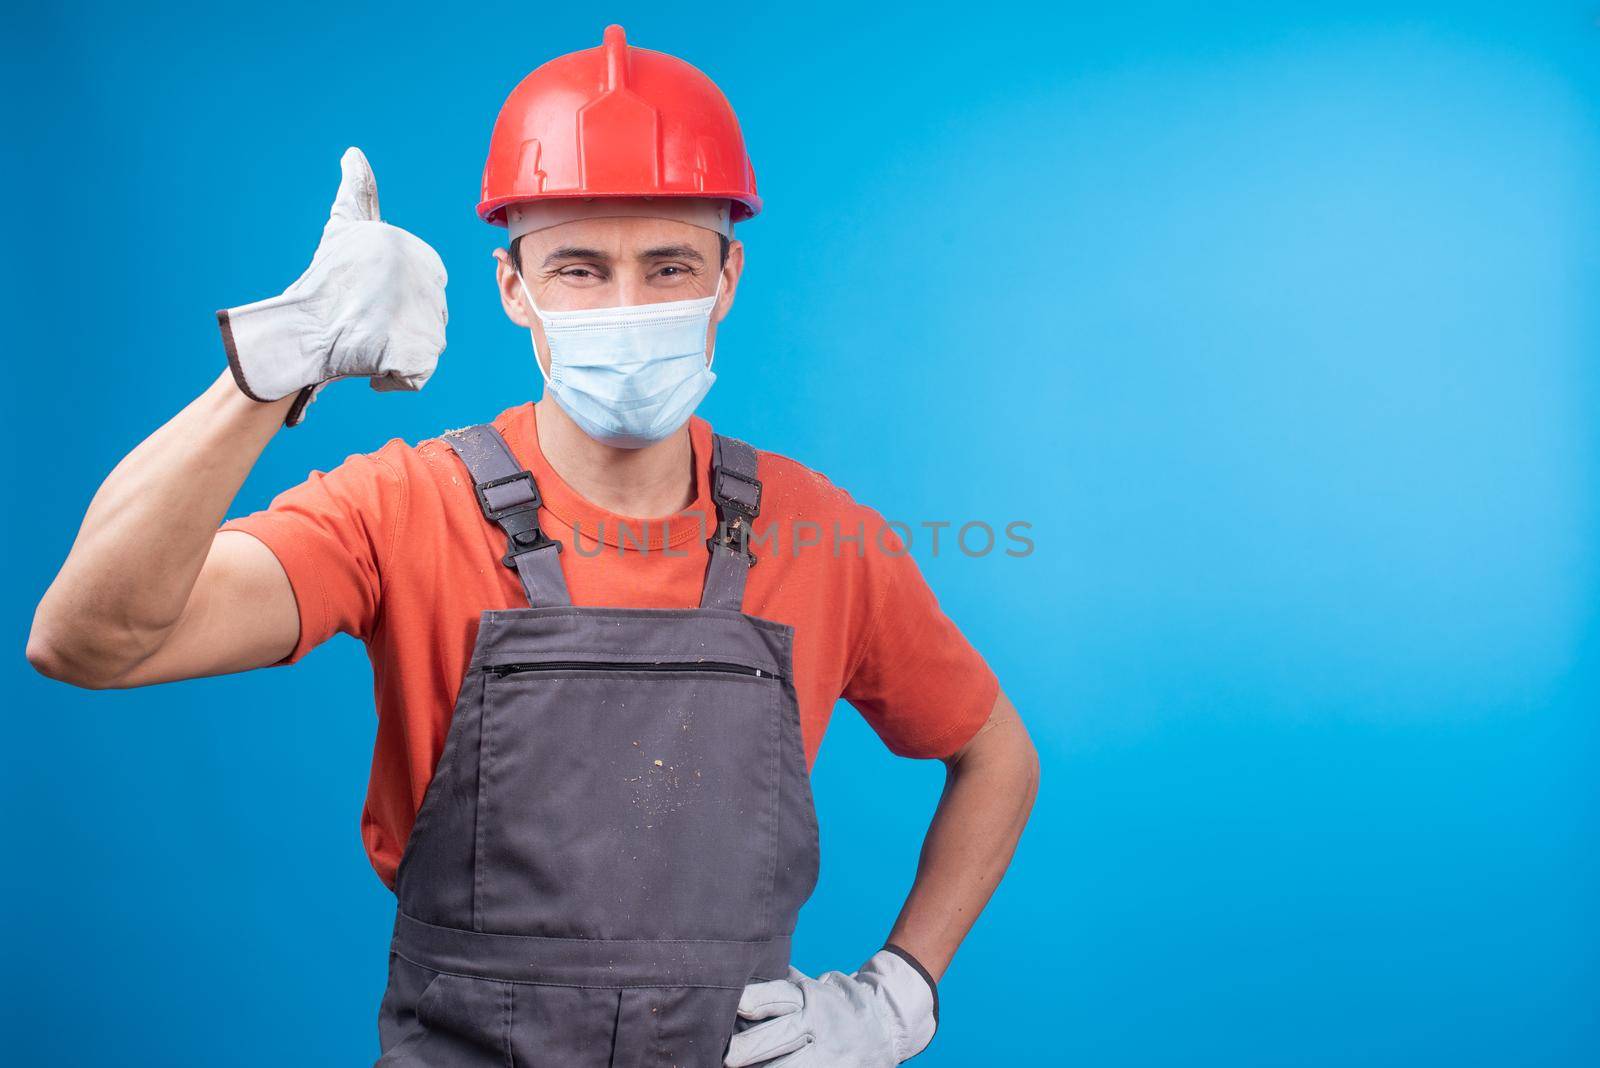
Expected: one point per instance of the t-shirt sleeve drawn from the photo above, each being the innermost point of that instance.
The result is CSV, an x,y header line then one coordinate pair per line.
x,y
332,533
917,681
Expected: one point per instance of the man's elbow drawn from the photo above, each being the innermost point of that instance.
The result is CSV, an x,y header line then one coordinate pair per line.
x,y
72,662
1031,771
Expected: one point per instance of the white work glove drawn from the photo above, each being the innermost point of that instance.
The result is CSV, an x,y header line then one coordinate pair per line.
x,y
882,1015
371,303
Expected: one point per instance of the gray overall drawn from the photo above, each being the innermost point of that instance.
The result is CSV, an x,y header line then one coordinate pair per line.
x,y
619,833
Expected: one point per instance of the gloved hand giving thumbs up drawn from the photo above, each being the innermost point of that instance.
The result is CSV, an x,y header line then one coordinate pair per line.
x,y
371,303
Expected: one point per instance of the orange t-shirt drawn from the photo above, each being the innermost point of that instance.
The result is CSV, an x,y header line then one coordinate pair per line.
x,y
392,548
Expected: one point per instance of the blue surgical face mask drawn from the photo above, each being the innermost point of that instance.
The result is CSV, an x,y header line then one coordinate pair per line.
x,y
628,376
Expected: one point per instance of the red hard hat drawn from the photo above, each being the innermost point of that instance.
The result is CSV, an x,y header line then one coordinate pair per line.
x,y
616,121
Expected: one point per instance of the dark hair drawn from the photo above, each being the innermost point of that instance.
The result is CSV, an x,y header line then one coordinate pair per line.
x,y
516,252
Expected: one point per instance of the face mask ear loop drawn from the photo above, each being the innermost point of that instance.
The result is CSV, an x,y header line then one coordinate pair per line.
x,y
529,298
711,349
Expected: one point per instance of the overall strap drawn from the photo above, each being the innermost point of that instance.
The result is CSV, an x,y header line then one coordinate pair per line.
x,y
737,493
508,496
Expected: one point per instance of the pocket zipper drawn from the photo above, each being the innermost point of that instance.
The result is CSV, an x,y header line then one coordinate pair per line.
x,y
500,671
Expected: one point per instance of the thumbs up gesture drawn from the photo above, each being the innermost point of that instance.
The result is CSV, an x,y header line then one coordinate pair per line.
x,y
371,304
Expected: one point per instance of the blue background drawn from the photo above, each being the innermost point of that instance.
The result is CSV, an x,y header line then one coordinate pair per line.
x,y
1279,325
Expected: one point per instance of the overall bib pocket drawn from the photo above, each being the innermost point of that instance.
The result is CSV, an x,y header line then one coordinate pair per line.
x,y
632,769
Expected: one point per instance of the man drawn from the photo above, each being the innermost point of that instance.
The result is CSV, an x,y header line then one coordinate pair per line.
x,y
590,788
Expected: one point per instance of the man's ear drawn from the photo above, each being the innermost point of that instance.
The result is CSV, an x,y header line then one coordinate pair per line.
x,y
732,271
511,298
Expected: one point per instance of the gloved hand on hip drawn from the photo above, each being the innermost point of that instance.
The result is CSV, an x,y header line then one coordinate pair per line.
x,y
371,303
882,1015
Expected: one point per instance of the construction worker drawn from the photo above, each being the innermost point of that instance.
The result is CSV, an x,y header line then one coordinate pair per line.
x,y
590,787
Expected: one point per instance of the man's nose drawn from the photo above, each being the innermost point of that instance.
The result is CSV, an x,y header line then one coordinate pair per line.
x,y
631,290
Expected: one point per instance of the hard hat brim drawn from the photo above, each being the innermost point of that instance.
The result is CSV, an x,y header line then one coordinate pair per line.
x,y
745,205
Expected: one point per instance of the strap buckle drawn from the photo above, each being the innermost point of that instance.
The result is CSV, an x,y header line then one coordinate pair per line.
x,y
532,500
731,501
734,535
518,517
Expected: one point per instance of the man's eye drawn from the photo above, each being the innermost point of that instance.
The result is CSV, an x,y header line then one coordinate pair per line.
x,y
578,272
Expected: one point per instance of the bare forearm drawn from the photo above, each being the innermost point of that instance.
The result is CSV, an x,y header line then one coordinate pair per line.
x,y
987,797
146,535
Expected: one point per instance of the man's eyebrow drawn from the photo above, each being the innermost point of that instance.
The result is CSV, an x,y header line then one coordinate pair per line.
x,y
574,252
672,252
